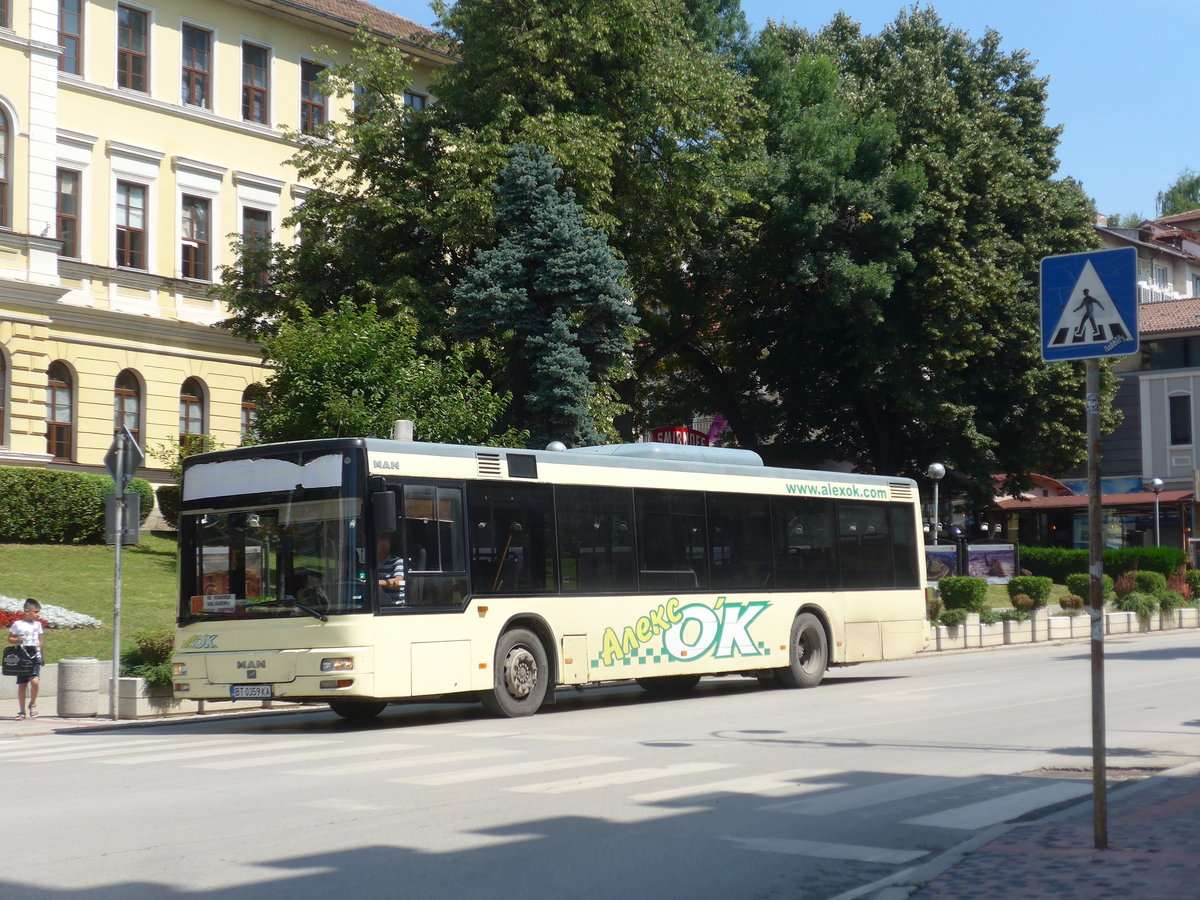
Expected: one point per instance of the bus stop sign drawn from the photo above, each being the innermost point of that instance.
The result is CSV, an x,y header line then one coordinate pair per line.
x,y
125,457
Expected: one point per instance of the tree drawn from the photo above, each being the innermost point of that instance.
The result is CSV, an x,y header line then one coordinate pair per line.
x,y
1182,196
897,324
550,296
353,371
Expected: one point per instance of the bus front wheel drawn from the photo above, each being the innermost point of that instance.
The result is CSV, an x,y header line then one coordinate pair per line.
x,y
357,710
808,653
522,675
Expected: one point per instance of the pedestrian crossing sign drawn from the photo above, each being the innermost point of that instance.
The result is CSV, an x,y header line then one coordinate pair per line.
x,y
1089,305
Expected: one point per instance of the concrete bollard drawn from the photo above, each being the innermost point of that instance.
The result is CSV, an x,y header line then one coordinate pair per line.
x,y
78,687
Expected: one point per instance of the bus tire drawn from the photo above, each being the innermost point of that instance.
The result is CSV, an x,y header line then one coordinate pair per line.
x,y
668,684
522,675
808,651
357,710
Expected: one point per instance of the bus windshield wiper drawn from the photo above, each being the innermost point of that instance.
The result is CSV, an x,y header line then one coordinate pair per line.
x,y
305,608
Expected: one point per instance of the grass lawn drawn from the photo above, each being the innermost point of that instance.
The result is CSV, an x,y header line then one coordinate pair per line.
x,y
81,579
997,596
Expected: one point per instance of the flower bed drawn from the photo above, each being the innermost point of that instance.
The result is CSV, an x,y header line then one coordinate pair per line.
x,y
52,616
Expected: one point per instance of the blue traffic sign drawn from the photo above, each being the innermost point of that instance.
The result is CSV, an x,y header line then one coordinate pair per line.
x,y
1089,305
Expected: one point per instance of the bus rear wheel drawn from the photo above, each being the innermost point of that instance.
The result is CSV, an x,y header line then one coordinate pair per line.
x,y
668,684
522,675
357,710
808,652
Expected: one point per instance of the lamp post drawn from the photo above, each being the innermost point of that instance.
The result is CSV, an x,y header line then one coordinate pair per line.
x,y
1156,485
937,472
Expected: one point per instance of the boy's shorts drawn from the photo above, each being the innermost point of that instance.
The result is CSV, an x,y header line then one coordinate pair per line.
x,y
37,671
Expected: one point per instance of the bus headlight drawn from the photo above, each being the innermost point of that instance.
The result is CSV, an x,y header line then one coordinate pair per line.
x,y
179,669
337,664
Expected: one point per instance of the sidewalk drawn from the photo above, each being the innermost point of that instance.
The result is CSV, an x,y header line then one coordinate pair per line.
x,y
1153,851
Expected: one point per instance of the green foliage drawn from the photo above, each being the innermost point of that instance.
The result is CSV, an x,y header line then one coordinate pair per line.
x,y
1157,559
172,453
1072,604
963,592
1192,577
1170,599
353,372
1080,584
169,496
1125,220
933,606
1022,602
1057,562
953,616
150,657
1145,605
1149,582
550,296
993,616
1036,587
1182,196
42,506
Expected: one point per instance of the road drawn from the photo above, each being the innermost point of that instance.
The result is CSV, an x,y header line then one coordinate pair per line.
x,y
732,792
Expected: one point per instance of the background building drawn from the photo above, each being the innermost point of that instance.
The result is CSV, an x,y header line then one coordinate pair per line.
x,y
135,139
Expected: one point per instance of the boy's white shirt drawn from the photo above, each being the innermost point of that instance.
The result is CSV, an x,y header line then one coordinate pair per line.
x,y
30,633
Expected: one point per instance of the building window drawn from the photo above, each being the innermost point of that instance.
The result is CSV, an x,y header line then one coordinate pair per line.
x,y
1179,408
256,243
312,101
4,23
3,394
131,225
70,35
67,214
58,411
194,249
191,414
249,411
197,59
256,83
1196,285
414,101
127,405
132,52
5,155
1160,276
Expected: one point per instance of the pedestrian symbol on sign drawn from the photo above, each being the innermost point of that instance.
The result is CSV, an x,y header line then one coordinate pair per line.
x,y
1090,317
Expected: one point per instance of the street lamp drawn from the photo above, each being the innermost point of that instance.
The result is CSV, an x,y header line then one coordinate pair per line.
x,y
1156,485
937,472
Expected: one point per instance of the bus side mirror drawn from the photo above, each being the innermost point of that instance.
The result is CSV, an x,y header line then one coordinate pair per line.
x,y
384,504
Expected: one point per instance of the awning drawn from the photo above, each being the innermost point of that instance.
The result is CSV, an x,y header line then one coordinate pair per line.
x,y
1080,501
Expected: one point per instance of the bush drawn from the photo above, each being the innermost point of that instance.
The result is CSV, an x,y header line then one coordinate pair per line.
x,y
1072,604
1124,584
1149,582
1153,559
992,616
1057,563
1022,603
168,503
39,506
963,592
1169,600
1145,605
1081,586
150,657
953,616
1193,581
933,606
1179,582
1037,587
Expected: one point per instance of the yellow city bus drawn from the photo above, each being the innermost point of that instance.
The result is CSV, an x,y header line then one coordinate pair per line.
x,y
360,572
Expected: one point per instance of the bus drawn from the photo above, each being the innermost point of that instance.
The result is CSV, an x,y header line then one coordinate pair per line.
x,y
360,572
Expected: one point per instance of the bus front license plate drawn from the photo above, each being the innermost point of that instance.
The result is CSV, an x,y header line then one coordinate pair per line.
x,y
250,692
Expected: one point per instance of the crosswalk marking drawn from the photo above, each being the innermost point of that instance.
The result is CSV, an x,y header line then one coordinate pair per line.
x,y
243,746
629,776
35,753
774,784
99,753
509,769
853,852
403,762
873,795
1001,809
286,759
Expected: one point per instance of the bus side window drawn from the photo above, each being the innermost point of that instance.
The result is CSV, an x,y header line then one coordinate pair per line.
x,y
434,545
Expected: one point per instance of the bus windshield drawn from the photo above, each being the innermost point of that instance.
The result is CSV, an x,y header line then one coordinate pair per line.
x,y
302,554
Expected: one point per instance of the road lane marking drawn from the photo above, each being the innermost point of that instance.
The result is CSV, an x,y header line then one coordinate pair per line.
x,y
507,770
609,779
872,795
823,850
992,812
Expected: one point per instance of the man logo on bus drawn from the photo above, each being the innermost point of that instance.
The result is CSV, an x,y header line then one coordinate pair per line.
x,y
688,632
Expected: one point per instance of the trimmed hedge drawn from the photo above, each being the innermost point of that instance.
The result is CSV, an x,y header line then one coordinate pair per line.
x,y
1035,587
1080,584
963,592
1056,563
39,506
168,503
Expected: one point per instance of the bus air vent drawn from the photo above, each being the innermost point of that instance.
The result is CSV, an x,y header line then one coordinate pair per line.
x,y
489,465
901,491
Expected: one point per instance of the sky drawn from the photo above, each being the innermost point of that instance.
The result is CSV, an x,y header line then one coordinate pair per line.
x,y
1120,78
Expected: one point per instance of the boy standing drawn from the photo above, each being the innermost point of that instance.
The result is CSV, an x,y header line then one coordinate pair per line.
x,y
28,633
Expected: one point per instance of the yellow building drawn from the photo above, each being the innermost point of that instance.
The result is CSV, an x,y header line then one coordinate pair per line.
x,y
134,139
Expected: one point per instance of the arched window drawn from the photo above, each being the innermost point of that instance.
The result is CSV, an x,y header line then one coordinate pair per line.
x,y
249,411
59,411
127,404
191,412
5,156
3,396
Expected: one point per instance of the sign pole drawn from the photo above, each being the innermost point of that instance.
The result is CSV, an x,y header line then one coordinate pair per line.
x,y
1096,608
119,477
